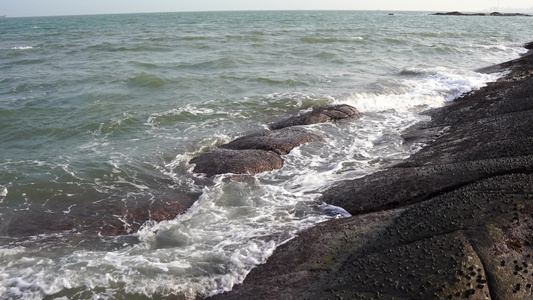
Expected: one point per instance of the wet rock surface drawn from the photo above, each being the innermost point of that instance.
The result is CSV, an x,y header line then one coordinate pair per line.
x,y
247,161
319,115
105,218
261,151
280,141
454,221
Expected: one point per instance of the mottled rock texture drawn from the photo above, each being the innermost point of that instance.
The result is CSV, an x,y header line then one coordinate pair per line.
x,y
220,161
454,221
280,141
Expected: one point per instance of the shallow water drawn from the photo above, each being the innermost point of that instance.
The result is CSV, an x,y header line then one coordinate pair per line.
x,y
99,111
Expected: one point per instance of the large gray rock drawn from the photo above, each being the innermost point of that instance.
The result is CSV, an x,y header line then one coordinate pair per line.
x,y
221,161
280,141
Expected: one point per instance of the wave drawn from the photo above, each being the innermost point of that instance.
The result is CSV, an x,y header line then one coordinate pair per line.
x,y
430,88
24,48
141,47
327,40
330,56
187,113
25,60
194,38
257,32
145,65
146,80
223,63
395,41
3,193
285,82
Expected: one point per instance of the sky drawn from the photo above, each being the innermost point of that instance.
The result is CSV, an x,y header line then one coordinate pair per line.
x,y
26,8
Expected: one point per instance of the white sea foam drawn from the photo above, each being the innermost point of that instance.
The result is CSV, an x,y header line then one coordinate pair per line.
x,y
154,119
373,142
22,48
8,252
431,88
233,225
3,193
226,233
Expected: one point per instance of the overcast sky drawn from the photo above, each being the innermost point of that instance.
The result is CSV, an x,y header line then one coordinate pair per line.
x,y
21,8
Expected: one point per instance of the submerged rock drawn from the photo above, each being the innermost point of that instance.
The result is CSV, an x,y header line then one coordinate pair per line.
x,y
250,161
105,218
319,115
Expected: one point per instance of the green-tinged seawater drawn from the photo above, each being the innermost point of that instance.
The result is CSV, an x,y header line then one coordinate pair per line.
x,y
104,111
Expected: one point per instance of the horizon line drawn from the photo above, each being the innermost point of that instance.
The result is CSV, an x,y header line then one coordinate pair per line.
x,y
253,10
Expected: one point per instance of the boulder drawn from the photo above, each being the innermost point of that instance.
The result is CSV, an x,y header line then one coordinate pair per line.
x,y
249,161
319,115
280,141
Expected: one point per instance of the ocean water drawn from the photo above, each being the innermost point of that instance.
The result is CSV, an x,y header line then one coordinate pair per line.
x,y
102,113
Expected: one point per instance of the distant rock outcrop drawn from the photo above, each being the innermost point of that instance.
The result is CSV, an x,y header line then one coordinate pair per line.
x,y
493,14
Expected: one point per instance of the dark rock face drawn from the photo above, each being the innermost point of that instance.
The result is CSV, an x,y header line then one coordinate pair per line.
x,y
249,161
278,141
319,115
454,221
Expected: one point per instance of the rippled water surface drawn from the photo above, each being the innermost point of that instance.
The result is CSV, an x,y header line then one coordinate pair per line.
x,y
101,114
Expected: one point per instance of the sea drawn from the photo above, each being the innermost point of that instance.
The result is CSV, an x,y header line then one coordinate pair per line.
x,y
102,112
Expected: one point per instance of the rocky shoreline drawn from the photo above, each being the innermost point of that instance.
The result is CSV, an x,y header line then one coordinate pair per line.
x,y
453,221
